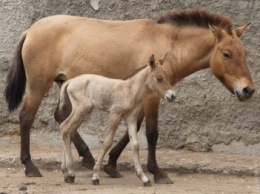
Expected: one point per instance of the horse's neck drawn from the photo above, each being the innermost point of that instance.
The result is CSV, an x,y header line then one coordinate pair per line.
x,y
192,54
137,84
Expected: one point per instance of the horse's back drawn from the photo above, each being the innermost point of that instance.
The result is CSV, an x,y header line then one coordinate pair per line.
x,y
74,45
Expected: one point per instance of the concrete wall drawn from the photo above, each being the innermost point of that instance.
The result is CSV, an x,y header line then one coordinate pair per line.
x,y
205,116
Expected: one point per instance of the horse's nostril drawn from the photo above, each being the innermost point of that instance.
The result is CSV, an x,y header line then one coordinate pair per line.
x,y
248,90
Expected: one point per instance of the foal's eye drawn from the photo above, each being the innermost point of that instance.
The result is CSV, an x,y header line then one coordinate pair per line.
x,y
226,55
159,79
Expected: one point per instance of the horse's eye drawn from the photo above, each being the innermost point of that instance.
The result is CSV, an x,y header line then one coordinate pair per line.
x,y
159,79
226,55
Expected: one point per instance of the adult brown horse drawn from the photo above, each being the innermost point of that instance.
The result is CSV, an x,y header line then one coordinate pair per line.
x,y
57,48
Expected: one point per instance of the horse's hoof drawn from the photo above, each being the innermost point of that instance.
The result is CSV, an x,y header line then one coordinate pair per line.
x,y
69,179
95,182
162,179
88,161
147,184
32,171
112,171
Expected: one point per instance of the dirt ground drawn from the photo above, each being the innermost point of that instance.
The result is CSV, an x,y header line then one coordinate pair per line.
x,y
13,181
196,173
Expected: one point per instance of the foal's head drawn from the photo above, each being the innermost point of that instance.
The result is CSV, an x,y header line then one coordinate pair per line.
x,y
158,80
228,62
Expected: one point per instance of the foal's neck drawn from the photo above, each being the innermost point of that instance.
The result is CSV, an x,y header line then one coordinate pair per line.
x,y
137,84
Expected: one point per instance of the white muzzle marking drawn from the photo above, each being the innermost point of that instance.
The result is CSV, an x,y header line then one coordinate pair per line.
x,y
170,96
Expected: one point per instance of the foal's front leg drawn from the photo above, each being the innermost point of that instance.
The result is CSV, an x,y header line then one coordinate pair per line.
x,y
110,168
132,131
113,124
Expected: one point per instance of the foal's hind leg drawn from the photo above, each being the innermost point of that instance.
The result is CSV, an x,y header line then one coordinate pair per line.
x,y
88,160
68,128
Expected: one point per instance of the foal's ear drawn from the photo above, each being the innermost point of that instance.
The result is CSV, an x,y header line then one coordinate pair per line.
x,y
216,31
152,61
240,30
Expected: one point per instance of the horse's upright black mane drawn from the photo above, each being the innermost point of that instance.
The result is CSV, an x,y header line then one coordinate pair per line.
x,y
200,18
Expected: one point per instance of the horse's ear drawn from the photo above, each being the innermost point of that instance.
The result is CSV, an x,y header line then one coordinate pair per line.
x,y
161,60
216,31
152,61
240,30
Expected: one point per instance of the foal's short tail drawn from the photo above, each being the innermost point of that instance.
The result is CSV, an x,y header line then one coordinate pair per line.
x,y
64,105
16,79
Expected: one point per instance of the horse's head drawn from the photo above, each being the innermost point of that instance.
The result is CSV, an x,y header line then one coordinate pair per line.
x,y
158,81
228,62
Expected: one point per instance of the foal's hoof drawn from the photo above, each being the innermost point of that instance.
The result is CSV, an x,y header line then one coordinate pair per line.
x,y
69,179
112,171
147,184
95,182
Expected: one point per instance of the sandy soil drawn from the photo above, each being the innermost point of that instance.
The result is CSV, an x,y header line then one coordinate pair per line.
x,y
196,173
13,181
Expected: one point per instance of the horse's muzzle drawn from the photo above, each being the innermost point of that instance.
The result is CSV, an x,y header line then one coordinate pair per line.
x,y
245,93
169,96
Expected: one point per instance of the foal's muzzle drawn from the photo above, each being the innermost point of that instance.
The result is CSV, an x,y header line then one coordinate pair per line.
x,y
245,93
169,96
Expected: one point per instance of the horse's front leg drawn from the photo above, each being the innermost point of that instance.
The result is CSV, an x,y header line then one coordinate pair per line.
x,y
151,111
132,130
110,168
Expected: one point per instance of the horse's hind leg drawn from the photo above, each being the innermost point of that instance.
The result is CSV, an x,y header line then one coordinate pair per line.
x,y
88,160
27,114
110,168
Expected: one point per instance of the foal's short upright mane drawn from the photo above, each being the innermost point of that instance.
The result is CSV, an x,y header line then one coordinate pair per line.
x,y
135,72
200,18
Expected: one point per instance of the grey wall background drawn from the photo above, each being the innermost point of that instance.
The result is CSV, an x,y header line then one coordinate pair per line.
x,y
205,116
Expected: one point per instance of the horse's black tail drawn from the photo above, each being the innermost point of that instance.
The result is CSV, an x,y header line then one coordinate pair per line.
x,y
16,79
